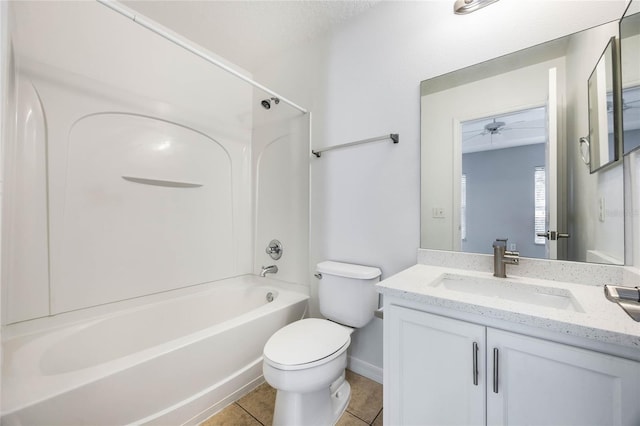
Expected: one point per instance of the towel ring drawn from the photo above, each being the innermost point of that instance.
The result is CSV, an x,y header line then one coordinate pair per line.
x,y
584,150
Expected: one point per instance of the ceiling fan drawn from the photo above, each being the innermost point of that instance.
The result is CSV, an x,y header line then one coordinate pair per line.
x,y
496,127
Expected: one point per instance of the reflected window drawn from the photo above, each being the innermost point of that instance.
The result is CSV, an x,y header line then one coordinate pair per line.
x,y
463,207
540,215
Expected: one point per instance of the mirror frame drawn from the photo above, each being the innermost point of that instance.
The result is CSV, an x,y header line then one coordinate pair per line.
x,y
610,59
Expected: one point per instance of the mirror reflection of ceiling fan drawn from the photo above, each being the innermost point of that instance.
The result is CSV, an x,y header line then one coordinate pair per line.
x,y
524,127
496,127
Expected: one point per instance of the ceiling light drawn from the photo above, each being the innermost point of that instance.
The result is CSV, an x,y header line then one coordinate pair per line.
x,y
462,7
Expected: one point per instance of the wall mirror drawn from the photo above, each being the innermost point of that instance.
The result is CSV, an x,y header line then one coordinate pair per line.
x,y
630,76
603,115
501,158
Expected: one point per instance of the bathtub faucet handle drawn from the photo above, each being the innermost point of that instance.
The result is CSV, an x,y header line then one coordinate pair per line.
x,y
274,249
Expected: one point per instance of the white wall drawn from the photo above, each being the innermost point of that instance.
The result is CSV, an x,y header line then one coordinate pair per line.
x,y
363,80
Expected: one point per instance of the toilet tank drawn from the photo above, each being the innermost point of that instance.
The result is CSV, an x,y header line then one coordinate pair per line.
x,y
347,292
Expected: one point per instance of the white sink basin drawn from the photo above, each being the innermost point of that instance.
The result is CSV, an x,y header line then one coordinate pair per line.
x,y
503,288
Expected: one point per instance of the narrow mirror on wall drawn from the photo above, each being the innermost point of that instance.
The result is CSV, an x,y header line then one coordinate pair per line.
x,y
602,114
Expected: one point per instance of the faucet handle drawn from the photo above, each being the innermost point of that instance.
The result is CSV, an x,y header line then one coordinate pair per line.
x,y
512,255
274,249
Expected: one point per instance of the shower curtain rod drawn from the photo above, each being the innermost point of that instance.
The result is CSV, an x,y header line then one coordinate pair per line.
x,y
187,45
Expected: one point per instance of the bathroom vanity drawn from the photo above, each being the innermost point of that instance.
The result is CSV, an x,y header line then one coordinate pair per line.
x,y
464,347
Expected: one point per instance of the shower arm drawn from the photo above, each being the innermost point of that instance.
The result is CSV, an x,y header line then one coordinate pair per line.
x,y
188,45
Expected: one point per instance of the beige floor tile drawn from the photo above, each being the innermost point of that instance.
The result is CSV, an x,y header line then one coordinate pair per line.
x,y
364,408
366,397
233,415
349,419
260,402
378,420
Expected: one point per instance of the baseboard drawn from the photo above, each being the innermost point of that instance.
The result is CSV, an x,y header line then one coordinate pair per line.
x,y
365,369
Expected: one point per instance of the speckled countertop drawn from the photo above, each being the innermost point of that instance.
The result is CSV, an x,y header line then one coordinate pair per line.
x,y
590,315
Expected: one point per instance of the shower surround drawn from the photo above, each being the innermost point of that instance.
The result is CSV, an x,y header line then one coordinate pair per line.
x,y
133,169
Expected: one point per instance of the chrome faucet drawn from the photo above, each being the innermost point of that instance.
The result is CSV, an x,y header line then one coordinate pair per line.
x,y
271,269
502,256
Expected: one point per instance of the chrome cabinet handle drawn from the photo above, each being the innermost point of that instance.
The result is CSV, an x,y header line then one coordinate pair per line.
x,y
495,370
475,363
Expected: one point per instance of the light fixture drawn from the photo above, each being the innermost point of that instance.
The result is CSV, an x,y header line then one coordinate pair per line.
x,y
462,7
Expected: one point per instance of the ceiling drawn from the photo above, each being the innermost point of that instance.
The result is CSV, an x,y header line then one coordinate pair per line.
x,y
247,33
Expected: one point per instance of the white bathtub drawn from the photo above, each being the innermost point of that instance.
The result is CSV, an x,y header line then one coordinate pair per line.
x,y
172,361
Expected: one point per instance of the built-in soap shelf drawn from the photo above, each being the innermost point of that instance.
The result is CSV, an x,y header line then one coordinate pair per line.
x,y
161,182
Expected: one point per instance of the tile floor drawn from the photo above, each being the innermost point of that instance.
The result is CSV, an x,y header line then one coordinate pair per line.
x,y
256,408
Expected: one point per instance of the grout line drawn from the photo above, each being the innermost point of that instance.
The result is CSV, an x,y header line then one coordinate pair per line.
x,y
377,415
360,418
247,411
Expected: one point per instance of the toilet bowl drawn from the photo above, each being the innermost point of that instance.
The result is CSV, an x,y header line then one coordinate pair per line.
x,y
306,360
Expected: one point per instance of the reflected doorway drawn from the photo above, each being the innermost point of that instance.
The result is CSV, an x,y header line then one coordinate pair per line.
x,y
503,186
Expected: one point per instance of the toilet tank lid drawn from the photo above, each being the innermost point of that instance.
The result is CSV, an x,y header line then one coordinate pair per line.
x,y
348,270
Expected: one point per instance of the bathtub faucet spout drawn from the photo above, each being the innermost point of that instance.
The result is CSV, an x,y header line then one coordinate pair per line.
x,y
271,269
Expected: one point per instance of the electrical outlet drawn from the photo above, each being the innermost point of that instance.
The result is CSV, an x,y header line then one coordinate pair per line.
x,y
601,210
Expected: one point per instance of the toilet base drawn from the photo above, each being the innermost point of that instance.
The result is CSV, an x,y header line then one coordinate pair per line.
x,y
319,408
340,398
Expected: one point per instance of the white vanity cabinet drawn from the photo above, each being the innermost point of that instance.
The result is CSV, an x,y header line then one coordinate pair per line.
x,y
442,371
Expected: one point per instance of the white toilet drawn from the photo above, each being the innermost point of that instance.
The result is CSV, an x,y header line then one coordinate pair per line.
x,y
305,361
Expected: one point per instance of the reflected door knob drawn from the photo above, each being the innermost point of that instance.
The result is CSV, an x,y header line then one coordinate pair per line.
x,y
553,235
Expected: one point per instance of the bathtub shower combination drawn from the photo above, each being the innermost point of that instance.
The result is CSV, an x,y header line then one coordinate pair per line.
x,y
141,186
156,363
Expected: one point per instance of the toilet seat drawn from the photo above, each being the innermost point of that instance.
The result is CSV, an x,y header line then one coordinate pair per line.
x,y
306,343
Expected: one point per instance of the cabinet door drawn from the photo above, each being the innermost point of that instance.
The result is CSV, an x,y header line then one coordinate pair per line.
x,y
546,383
430,371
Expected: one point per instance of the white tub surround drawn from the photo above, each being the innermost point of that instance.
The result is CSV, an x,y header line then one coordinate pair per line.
x,y
174,360
138,172
499,350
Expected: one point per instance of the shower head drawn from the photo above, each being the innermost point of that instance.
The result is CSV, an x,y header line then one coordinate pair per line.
x,y
266,103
